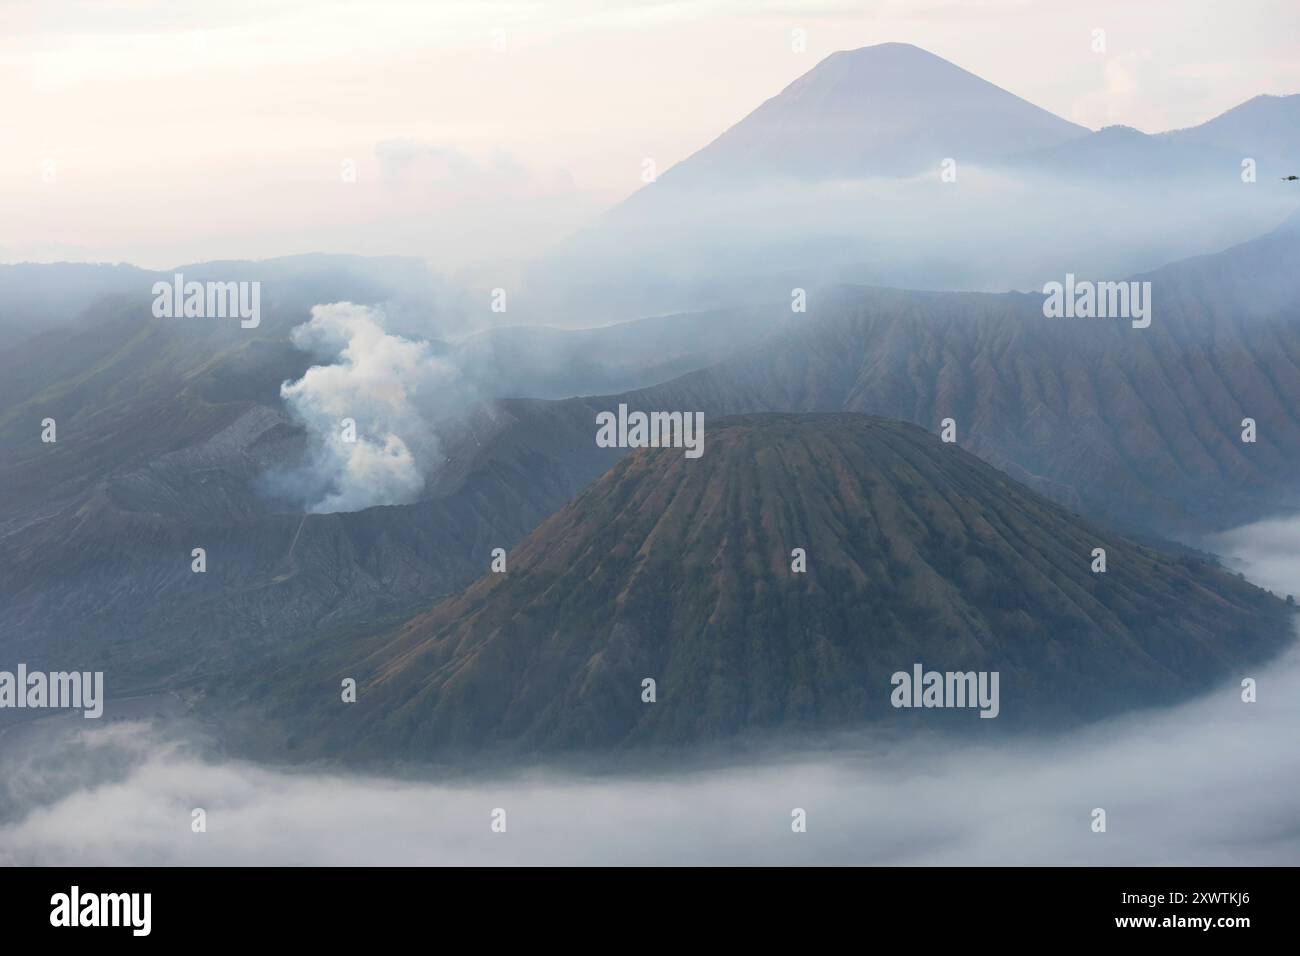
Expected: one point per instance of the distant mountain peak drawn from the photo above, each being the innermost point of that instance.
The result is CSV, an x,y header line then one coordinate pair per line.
x,y
1264,127
890,55
889,109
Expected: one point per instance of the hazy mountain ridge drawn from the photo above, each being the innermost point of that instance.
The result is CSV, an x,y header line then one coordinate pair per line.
x,y
1265,128
1090,412
889,166
1135,427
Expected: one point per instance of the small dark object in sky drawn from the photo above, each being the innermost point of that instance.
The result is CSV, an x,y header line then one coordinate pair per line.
x,y
1290,179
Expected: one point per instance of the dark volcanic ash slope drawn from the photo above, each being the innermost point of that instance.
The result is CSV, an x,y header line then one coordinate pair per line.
x,y
165,428
680,570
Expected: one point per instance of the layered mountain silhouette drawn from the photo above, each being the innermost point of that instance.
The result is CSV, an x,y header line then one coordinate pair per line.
x,y
1265,128
166,431
680,570
166,427
892,109
888,165
1139,428
1121,153
895,110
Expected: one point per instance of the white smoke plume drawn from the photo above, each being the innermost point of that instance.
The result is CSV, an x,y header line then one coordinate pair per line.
x,y
393,388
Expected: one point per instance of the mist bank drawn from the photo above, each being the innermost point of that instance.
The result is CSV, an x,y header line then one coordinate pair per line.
x,y
985,229
1266,552
1209,783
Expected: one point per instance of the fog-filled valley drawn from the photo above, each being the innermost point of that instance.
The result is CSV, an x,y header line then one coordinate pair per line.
x,y
1210,782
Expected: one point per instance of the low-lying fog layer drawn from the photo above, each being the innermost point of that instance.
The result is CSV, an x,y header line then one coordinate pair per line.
x,y
1267,552
1210,782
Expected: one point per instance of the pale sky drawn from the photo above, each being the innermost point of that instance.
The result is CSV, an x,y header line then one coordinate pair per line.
x,y
164,132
